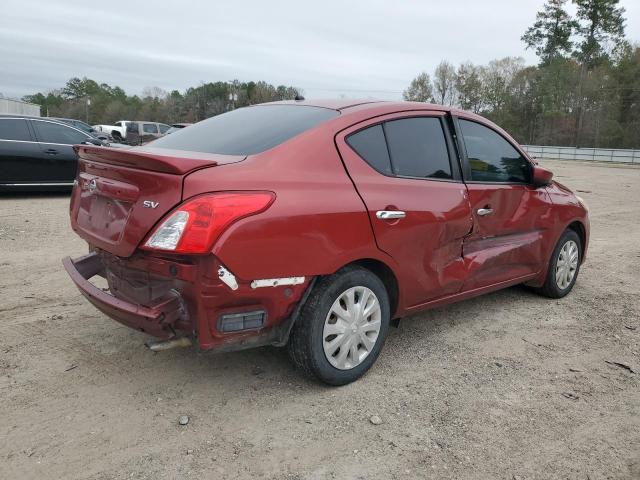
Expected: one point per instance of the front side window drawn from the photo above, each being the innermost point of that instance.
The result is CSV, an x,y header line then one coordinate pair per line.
x,y
491,157
49,132
14,129
408,147
149,128
163,127
82,126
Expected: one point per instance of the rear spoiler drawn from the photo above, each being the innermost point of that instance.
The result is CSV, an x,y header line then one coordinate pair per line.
x,y
176,162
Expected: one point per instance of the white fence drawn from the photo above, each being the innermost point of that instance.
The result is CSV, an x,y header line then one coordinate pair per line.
x,y
593,154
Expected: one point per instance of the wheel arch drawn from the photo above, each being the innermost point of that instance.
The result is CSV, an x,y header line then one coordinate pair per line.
x,y
578,227
386,275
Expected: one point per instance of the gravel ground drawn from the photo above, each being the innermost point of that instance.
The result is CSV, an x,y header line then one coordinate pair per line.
x,y
506,386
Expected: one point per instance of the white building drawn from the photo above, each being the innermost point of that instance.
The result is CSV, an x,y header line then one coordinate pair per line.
x,y
17,107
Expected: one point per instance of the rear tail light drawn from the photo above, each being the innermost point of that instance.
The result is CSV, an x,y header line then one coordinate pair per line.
x,y
195,225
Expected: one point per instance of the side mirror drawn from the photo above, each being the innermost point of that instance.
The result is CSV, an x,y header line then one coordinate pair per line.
x,y
541,176
93,141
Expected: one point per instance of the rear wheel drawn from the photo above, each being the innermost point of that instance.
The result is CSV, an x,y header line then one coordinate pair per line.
x,y
342,326
563,266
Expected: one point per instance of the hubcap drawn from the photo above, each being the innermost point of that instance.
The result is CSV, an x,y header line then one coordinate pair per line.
x,y
567,264
351,328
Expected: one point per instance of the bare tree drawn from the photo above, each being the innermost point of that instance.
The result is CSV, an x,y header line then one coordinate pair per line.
x,y
444,83
469,87
154,92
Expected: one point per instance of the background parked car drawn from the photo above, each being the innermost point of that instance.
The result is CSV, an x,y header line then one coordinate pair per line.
x,y
134,132
177,127
37,153
85,127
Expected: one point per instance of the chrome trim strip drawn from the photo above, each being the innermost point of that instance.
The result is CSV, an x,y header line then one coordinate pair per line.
x,y
51,184
276,282
43,143
17,141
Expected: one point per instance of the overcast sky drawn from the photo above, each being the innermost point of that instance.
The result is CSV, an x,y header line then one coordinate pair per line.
x,y
328,48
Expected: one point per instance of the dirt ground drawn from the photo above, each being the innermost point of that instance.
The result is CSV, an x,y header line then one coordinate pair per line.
x,y
506,386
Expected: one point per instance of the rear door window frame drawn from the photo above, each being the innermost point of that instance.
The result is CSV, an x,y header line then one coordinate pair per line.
x,y
30,130
64,125
452,151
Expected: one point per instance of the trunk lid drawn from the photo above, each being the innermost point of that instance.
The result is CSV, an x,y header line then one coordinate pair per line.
x,y
121,193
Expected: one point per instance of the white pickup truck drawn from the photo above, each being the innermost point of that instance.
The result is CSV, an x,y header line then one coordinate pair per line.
x,y
134,132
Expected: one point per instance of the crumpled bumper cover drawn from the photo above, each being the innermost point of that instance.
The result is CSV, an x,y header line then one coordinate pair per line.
x,y
156,319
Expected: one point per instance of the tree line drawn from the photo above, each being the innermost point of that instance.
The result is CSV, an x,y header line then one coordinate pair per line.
x,y
94,102
584,92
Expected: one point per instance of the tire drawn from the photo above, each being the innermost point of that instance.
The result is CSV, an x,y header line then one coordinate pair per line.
x,y
313,331
557,286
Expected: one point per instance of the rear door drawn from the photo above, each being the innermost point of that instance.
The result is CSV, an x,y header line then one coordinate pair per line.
x,y
404,168
20,161
509,214
133,136
57,158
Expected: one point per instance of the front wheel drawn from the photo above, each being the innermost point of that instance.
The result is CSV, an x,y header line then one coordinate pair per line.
x,y
563,266
342,326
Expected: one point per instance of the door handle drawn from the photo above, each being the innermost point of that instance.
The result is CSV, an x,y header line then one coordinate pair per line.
x,y
51,151
390,214
484,211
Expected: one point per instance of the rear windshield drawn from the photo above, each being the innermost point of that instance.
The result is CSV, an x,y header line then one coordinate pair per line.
x,y
248,130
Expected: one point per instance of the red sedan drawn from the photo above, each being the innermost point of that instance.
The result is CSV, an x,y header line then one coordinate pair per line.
x,y
315,225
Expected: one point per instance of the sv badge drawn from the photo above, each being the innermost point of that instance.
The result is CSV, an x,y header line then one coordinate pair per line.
x,y
150,204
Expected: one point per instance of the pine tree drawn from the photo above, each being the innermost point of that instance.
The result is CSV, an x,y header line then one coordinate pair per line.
x,y
551,34
601,22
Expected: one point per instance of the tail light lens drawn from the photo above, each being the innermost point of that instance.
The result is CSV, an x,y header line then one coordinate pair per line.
x,y
195,225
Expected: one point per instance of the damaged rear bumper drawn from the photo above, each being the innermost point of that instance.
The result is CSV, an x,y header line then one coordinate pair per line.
x,y
196,297
157,319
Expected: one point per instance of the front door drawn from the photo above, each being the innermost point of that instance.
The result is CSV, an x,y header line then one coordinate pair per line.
x,y
20,161
404,168
509,214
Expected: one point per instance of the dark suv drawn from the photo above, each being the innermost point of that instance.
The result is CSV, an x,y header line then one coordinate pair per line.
x,y
37,153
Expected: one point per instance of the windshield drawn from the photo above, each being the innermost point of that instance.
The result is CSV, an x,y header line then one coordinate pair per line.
x,y
248,130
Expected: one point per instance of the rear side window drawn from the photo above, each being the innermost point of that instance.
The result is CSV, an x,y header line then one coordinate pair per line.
x,y
149,128
48,132
372,147
14,129
491,157
408,147
418,148
248,130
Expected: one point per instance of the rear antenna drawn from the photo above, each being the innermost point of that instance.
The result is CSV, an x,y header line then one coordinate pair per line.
x,y
299,98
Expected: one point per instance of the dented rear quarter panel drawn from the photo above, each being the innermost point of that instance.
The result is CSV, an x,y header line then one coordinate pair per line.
x,y
317,223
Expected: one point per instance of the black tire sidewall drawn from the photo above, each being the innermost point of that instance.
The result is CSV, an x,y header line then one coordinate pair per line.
x,y
552,285
353,278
